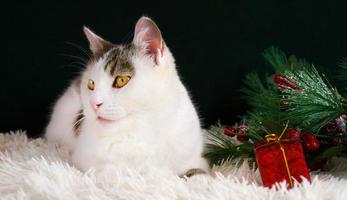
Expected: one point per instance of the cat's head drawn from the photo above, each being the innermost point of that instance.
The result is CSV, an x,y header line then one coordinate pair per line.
x,y
124,80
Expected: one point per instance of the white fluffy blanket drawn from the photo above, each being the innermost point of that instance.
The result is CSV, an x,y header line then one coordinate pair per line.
x,y
31,169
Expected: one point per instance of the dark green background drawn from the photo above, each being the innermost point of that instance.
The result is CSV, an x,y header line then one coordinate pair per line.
x,y
215,44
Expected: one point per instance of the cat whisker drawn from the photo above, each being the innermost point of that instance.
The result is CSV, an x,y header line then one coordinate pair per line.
x,y
78,121
79,48
79,63
84,60
75,69
76,64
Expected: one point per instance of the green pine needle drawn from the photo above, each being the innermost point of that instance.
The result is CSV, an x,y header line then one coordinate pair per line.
x,y
316,103
276,58
220,147
279,61
310,107
266,114
258,96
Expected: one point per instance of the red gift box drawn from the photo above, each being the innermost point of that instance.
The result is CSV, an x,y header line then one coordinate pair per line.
x,y
281,160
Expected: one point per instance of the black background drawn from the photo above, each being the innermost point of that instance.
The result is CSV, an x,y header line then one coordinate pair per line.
x,y
215,44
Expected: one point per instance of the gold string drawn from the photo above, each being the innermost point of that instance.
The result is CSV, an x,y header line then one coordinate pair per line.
x,y
287,166
284,129
277,139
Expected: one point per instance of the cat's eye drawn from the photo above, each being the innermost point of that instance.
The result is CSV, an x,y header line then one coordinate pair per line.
x,y
121,81
91,84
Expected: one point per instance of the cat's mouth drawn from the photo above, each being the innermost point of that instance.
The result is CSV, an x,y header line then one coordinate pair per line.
x,y
104,120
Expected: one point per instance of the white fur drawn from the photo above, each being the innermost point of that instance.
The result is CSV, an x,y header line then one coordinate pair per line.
x,y
60,129
31,169
155,121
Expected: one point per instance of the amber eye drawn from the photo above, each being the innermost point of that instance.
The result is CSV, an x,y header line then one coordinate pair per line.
x,y
91,84
121,81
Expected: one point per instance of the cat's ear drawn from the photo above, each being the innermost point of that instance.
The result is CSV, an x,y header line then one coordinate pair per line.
x,y
148,37
96,43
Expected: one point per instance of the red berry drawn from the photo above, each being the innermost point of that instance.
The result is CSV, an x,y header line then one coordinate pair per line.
x,y
310,142
229,131
242,138
309,136
242,129
284,83
292,133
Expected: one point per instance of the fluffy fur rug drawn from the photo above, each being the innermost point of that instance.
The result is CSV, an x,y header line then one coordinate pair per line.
x,y
31,169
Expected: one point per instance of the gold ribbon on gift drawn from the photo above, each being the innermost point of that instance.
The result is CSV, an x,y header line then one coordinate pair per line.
x,y
274,138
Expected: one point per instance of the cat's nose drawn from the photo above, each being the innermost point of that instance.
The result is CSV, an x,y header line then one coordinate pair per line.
x,y
95,104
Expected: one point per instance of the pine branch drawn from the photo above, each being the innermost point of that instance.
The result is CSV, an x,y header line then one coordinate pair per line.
x,y
258,96
260,125
316,103
266,115
297,93
276,58
280,62
220,148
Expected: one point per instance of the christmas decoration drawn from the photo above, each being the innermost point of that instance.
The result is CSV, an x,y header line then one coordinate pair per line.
x,y
296,92
292,133
221,147
335,126
284,83
242,129
229,131
310,142
281,160
238,130
242,138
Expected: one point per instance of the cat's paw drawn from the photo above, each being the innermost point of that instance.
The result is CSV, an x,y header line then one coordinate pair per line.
x,y
192,172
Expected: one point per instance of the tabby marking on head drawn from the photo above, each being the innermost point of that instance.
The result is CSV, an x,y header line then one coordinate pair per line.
x,y
118,60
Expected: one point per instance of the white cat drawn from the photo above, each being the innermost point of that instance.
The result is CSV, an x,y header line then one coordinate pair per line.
x,y
129,107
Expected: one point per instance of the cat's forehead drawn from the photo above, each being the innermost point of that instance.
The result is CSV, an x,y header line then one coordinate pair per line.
x,y
117,60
